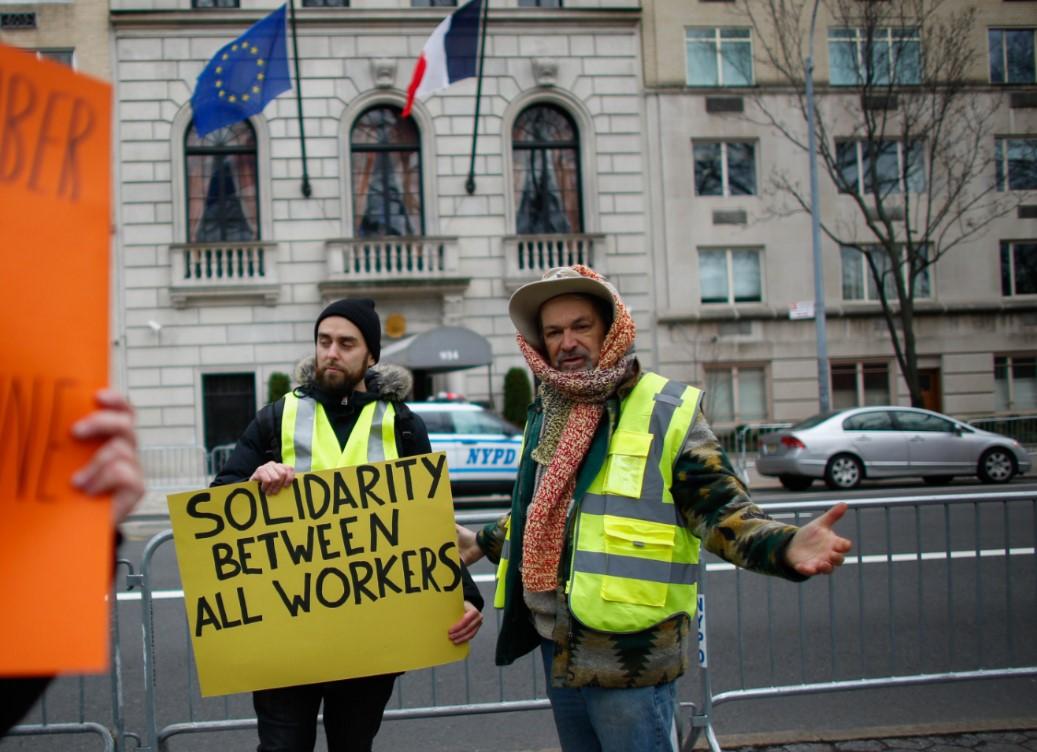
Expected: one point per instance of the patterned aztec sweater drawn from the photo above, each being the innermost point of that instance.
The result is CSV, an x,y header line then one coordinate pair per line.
x,y
713,503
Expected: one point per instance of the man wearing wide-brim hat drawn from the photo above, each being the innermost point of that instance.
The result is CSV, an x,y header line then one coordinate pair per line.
x,y
621,481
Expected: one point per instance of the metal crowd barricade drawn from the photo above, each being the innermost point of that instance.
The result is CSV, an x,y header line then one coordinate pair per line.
x,y
746,441
174,466
973,552
112,731
970,555
1022,428
218,457
449,690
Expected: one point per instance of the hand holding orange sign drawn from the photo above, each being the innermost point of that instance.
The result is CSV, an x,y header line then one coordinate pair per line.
x,y
55,548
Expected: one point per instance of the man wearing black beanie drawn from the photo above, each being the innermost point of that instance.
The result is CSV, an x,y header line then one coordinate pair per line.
x,y
361,312
335,420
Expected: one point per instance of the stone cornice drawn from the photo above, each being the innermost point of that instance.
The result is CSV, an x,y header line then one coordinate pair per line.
x,y
755,312
355,19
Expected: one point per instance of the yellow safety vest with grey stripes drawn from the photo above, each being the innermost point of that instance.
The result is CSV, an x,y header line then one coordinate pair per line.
x,y
633,562
308,440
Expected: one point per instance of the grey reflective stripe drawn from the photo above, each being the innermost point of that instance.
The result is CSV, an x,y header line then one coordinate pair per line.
x,y
664,406
634,509
505,551
305,414
375,448
612,565
668,398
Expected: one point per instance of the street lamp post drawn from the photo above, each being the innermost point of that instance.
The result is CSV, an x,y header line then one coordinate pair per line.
x,y
815,229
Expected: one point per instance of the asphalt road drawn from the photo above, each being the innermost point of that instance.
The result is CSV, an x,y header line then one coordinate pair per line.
x,y
893,611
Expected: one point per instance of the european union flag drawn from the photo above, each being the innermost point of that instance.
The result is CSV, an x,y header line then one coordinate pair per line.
x,y
243,76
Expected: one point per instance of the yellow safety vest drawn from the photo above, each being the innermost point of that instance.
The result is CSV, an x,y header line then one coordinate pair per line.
x,y
634,563
308,441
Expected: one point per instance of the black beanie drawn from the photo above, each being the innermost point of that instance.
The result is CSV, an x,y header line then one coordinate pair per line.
x,y
362,313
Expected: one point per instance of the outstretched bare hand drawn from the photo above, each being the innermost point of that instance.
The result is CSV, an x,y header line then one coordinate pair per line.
x,y
816,548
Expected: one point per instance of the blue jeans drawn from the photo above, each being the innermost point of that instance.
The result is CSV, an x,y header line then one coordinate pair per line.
x,y
597,719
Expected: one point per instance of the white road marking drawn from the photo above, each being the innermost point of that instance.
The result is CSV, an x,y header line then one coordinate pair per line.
x,y
986,553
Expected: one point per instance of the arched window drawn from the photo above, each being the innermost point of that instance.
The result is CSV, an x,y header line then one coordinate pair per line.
x,y
546,158
386,163
222,185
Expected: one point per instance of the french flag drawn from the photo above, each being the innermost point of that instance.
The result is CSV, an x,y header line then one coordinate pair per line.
x,y
449,55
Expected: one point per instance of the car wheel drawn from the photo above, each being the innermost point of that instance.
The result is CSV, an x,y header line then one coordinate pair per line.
x,y
844,472
795,482
937,480
996,466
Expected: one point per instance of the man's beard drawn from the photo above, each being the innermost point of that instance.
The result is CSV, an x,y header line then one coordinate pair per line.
x,y
337,383
587,365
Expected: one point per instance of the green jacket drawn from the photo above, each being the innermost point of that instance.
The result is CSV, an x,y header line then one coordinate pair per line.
x,y
714,504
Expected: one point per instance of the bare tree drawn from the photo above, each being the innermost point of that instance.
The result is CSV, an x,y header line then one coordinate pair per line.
x,y
900,131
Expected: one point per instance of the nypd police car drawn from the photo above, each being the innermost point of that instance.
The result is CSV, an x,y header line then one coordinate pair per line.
x,y
482,449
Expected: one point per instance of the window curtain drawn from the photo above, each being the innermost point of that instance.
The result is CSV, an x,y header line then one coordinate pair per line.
x,y
720,404
222,186
546,171
876,384
541,206
752,395
385,160
223,217
386,210
1024,383
713,276
748,283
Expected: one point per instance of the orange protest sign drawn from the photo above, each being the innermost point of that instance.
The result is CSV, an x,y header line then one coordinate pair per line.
x,y
55,543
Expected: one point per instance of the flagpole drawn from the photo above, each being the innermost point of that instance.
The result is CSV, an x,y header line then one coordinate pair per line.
x,y
470,183
306,189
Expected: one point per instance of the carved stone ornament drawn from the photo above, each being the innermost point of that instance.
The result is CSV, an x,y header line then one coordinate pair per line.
x,y
545,71
383,71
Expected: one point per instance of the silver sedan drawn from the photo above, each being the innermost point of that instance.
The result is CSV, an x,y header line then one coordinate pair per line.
x,y
887,442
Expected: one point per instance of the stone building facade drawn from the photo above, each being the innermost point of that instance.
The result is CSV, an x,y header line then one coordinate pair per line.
x,y
75,33
976,325
206,316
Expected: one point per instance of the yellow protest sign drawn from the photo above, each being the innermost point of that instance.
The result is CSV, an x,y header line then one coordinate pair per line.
x,y
345,573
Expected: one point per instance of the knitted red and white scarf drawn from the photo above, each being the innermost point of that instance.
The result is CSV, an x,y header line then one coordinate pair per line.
x,y
573,403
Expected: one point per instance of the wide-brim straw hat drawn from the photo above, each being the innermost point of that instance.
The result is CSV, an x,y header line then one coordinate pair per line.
x,y
524,306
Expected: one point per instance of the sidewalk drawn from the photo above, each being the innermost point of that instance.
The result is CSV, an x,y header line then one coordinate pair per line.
x,y
894,740
978,741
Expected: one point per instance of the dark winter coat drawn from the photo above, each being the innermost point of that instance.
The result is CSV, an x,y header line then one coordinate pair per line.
x,y
261,442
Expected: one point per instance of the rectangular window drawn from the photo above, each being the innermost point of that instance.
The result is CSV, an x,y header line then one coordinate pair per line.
x,y
433,3
540,3
215,3
730,275
1015,382
58,55
1015,164
859,384
859,282
228,406
1012,56
327,3
725,169
735,394
1019,267
886,167
874,56
719,56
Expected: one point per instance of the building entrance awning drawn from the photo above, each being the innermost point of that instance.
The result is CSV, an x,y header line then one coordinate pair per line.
x,y
439,350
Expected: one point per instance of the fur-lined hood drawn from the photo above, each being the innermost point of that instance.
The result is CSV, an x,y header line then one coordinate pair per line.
x,y
390,381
